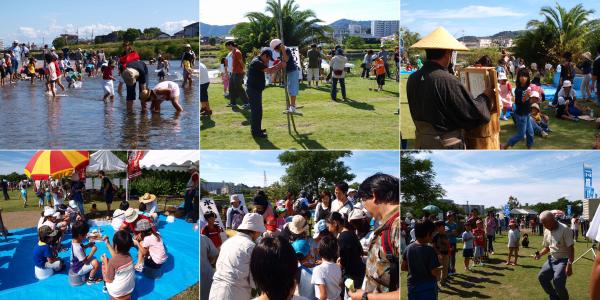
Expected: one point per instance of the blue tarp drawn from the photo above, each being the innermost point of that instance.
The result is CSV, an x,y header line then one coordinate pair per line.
x,y
17,280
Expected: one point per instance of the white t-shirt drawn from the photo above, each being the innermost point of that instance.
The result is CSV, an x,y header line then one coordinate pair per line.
x,y
167,85
513,238
203,74
78,251
467,237
574,224
563,94
329,274
52,71
117,219
342,208
229,62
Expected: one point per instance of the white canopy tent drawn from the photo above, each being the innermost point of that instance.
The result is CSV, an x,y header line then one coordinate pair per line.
x,y
523,211
106,161
170,160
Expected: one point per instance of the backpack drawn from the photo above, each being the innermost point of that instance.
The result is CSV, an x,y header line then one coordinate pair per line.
x,y
299,206
386,243
236,219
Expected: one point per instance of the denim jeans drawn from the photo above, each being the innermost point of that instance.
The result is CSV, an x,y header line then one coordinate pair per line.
x,y
334,87
553,278
537,129
524,128
256,110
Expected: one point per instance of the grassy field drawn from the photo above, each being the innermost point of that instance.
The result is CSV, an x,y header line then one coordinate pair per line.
x,y
365,121
564,135
15,204
192,293
495,280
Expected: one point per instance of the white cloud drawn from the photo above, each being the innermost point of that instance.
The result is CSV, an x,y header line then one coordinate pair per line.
x,y
467,12
172,27
261,163
28,32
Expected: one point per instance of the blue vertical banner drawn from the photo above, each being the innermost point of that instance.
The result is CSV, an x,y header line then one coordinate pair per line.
x,y
588,190
507,210
569,210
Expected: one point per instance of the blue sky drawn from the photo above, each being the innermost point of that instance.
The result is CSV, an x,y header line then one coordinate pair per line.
x,y
490,177
34,20
247,166
14,161
226,12
479,18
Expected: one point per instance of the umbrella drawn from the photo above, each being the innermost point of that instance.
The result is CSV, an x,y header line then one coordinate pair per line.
x,y
557,212
55,163
431,208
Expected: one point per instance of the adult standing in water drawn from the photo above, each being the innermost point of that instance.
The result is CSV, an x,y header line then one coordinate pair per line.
x,y
136,72
129,55
255,86
189,54
16,59
440,106
291,69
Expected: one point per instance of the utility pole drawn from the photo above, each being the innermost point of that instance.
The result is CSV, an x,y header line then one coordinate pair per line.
x,y
265,177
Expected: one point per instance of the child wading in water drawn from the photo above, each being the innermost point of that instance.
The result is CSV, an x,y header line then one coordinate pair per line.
x,y
82,264
118,272
513,242
107,76
467,237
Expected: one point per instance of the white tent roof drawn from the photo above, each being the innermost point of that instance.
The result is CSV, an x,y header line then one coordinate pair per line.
x,y
522,211
170,160
106,161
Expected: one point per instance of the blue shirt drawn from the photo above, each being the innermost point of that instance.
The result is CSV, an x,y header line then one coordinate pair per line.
x,y
452,237
291,63
41,252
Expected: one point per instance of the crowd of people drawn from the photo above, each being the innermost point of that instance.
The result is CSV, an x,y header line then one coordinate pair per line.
x,y
429,248
352,251
19,64
134,228
277,64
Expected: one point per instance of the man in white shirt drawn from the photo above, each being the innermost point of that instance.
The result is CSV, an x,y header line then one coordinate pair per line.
x,y
341,203
558,241
232,276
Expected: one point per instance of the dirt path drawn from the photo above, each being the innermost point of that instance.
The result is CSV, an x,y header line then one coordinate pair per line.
x,y
20,219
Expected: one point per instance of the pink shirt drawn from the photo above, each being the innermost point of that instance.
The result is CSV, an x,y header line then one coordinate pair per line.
x,y
156,249
506,95
167,85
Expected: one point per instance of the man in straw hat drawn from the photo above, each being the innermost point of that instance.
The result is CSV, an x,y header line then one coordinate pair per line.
x,y
440,106
136,73
232,276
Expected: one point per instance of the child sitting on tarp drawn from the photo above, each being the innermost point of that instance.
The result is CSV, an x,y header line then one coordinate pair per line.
x,y
151,250
142,209
44,255
82,264
118,271
506,96
119,215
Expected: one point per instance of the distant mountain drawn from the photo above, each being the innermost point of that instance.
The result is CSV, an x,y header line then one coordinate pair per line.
x,y
215,30
507,34
343,23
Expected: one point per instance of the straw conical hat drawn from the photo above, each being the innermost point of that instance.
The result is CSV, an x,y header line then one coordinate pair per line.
x,y
440,38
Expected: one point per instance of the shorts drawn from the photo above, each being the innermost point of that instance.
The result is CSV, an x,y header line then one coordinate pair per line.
x,y
478,251
108,198
381,79
468,252
204,92
293,83
312,74
24,193
109,87
161,74
85,269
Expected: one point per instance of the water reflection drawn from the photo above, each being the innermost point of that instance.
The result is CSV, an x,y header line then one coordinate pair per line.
x,y
79,118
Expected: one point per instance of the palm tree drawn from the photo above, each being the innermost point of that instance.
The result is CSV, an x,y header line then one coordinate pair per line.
x,y
300,27
568,27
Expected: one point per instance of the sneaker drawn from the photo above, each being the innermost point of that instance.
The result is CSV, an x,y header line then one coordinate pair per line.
x,y
246,106
139,268
544,134
504,119
292,109
91,281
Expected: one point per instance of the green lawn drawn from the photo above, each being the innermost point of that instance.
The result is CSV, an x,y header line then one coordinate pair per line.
x,y
495,280
565,135
15,203
365,121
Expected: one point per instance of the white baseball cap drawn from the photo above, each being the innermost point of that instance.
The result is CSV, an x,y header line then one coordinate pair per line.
x,y
274,43
253,222
567,83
